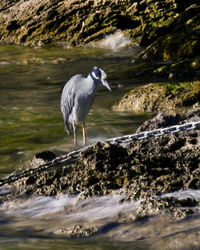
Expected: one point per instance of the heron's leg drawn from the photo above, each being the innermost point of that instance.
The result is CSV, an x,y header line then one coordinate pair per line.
x,y
74,131
84,137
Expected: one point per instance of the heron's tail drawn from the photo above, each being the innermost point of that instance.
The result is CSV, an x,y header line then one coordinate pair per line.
x,y
68,128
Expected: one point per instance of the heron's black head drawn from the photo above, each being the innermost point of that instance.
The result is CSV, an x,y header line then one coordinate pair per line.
x,y
99,75
96,74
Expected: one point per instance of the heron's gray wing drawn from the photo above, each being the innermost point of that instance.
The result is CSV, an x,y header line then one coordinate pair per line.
x,y
68,99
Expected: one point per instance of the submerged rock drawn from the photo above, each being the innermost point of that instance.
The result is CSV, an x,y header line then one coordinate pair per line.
x,y
80,231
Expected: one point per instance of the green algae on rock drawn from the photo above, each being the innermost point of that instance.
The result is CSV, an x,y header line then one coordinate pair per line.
x,y
73,22
156,97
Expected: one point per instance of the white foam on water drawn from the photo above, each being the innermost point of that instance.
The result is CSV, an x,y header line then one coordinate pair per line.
x,y
101,208
93,140
41,206
184,194
71,208
115,41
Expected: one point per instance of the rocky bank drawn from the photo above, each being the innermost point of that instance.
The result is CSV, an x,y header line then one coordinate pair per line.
x,y
170,34
168,30
141,169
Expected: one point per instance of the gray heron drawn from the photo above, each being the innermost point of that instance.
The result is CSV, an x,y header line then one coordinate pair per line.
x,y
77,98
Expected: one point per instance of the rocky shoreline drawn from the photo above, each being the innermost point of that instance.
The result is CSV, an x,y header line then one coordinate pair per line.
x,y
141,169
167,30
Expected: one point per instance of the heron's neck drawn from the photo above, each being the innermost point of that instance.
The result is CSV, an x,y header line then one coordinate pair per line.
x,y
92,83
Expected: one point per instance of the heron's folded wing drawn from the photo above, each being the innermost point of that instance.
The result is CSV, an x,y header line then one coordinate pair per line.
x,y
68,96
67,101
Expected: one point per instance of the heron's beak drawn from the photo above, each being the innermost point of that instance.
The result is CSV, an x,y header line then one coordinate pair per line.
x,y
105,83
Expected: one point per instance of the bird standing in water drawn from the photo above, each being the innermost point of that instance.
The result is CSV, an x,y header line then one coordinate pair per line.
x,y
77,98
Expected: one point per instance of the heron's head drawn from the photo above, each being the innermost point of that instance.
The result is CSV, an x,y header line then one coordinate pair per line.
x,y
99,75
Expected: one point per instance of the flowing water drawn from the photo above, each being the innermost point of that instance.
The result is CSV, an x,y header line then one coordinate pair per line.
x,y
31,81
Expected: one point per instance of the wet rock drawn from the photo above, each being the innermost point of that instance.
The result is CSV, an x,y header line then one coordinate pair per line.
x,y
80,231
178,208
157,97
42,158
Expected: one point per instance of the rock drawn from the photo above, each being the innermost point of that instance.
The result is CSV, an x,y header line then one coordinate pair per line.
x,y
157,97
178,208
139,170
168,30
176,41
79,231
74,23
42,158
163,120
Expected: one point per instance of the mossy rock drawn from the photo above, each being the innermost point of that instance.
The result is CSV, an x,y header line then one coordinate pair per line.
x,y
72,22
178,42
167,30
156,97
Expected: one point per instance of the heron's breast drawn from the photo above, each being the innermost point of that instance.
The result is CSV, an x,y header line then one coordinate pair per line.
x,y
82,107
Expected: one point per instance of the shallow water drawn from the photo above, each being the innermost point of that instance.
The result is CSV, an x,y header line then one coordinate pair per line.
x,y
31,83
30,121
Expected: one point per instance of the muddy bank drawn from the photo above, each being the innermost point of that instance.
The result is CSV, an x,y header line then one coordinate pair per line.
x,y
141,169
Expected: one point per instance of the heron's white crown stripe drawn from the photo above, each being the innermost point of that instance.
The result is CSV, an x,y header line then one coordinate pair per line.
x,y
93,74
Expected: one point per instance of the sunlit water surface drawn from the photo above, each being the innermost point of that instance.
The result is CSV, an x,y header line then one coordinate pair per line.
x,y
31,81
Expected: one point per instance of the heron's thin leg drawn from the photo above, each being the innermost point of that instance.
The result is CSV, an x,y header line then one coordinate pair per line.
x,y
74,131
84,137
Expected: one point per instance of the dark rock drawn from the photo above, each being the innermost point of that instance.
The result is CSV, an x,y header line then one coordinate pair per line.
x,y
163,120
46,155
42,158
